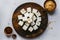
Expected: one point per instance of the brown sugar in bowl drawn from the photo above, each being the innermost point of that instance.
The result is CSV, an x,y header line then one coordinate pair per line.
x,y
50,5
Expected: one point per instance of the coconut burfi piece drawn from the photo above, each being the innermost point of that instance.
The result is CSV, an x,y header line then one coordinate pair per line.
x,y
27,24
35,27
30,15
38,18
34,18
30,29
24,18
38,14
29,20
38,23
33,23
34,11
29,9
20,17
26,14
25,27
23,11
20,23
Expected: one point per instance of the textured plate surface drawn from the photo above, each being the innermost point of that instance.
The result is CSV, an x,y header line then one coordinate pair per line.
x,y
27,34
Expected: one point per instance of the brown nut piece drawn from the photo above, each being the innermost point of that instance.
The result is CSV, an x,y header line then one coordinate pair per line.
x,y
50,5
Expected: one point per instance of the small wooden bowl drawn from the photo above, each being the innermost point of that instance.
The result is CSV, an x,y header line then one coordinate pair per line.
x,y
8,31
50,9
14,36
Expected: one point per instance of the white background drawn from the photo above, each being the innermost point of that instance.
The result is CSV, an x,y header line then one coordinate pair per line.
x,y
7,8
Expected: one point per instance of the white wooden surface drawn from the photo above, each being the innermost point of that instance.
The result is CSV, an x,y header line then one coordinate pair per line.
x,y
7,8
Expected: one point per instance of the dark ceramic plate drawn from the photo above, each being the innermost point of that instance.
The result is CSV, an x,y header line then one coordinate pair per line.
x,y
35,33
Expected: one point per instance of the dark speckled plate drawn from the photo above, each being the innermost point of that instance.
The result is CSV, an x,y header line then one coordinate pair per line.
x,y
27,34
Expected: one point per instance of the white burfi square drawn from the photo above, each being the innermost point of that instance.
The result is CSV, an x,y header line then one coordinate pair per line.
x,y
29,20
33,23
38,18
20,17
30,29
35,27
34,18
38,14
20,23
24,18
23,11
26,14
27,24
25,27
29,9
30,15
34,11
38,23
